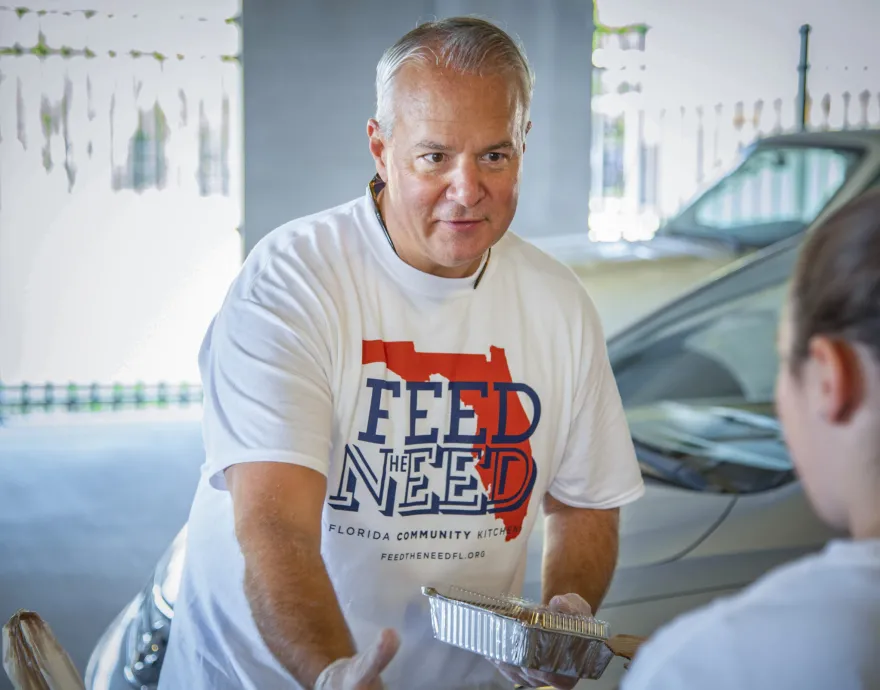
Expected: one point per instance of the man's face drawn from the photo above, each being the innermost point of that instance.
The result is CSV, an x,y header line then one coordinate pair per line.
x,y
452,166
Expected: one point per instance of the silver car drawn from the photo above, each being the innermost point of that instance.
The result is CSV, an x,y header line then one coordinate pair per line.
x,y
723,504
779,187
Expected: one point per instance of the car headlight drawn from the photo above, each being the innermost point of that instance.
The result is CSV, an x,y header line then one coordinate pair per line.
x,y
148,633
146,643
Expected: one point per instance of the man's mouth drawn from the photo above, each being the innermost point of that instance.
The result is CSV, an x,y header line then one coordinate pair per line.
x,y
463,223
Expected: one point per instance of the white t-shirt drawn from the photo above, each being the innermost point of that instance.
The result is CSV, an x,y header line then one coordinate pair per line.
x,y
441,414
812,624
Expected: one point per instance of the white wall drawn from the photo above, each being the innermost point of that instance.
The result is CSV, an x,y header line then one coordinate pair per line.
x,y
705,51
715,76
97,284
309,70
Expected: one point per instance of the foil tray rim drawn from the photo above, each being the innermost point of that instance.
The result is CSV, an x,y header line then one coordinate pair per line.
x,y
433,593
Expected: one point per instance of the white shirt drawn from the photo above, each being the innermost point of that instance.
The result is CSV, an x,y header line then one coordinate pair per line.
x,y
812,624
439,413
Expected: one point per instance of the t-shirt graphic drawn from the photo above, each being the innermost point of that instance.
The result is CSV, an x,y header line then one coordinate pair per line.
x,y
479,388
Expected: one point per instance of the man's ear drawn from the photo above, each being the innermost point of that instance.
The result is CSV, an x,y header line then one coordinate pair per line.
x,y
837,379
378,147
526,133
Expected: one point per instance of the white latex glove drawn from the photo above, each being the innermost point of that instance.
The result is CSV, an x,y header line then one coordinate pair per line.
x,y
361,671
564,603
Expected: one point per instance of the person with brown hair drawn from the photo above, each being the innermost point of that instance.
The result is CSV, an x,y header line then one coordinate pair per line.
x,y
814,623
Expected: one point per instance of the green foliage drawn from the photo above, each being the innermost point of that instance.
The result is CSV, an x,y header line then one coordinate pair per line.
x,y
41,49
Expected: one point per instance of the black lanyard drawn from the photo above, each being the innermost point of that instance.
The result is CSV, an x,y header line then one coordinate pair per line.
x,y
375,186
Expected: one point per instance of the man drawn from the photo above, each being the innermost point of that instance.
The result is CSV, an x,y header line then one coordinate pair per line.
x,y
393,390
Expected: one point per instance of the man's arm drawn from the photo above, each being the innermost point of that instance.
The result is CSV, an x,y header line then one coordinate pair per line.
x,y
278,511
580,551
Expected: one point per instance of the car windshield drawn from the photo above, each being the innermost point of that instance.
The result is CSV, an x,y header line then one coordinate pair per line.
x,y
699,393
776,192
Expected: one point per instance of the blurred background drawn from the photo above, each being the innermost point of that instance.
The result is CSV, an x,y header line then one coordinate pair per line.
x,y
131,185
146,146
120,186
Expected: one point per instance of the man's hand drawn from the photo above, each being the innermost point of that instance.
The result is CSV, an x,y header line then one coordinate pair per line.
x,y
361,671
565,603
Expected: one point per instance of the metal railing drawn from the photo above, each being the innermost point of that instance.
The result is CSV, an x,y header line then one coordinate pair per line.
x,y
28,398
650,155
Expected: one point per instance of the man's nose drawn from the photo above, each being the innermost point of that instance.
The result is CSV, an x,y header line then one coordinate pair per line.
x,y
466,185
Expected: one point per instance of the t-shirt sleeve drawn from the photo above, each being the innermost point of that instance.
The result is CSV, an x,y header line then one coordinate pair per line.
x,y
267,396
598,467
810,623
693,651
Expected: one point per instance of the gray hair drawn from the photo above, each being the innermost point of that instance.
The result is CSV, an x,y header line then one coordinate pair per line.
x,y
463,44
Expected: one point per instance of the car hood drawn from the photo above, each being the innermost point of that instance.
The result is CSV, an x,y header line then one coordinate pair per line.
x,y
663,246
661,526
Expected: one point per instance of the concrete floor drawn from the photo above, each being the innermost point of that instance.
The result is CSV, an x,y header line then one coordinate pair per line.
x,y
89,502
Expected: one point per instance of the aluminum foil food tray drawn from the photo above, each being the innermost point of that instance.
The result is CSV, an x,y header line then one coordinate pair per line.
x,y
520,633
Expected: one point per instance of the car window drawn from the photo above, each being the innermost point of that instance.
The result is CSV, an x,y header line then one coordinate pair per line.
x,y
725,351
699,396
776,192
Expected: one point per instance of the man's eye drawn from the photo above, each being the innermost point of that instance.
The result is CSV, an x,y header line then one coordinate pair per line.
x,y
495,157
435,157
